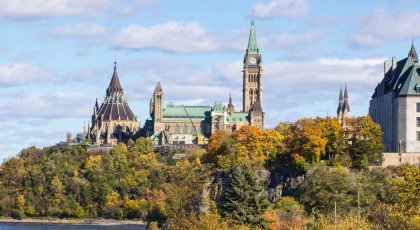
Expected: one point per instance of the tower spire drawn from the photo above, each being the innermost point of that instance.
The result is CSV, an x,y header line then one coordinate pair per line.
x,y
340,97
346,96
252,41
114,85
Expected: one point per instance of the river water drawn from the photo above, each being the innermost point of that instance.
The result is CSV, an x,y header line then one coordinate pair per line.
x,y
54,226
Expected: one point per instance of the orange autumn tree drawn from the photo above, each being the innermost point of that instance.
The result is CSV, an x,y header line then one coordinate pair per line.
x,y
307,139
248,143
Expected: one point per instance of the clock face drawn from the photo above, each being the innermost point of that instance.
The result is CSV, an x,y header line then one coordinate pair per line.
x,y
253,60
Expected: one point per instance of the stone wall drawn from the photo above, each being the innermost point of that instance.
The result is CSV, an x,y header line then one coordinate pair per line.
x,y
400,158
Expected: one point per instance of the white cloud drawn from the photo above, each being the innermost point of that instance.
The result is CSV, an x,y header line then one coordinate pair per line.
x,y
281,9
13,74
80,30
286,39
38,9
307,89
381,26
48,105
170,36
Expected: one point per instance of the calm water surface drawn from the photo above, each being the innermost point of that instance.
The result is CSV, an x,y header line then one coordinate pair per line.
x,y
52,226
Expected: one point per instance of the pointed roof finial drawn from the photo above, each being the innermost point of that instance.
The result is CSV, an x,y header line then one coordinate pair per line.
x,y
230,98
115,62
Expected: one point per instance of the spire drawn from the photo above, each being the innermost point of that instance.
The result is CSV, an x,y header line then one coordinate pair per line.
x,y
96,104
158,87
114,85
340,97
230,108
252,42
346,105
346,96
413,53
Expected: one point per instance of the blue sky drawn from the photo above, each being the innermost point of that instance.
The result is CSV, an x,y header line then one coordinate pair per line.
x,y
57,57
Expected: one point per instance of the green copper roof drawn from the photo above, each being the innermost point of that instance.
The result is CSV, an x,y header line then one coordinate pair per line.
x,y
412,82
252,42
237,117
218,106
179,113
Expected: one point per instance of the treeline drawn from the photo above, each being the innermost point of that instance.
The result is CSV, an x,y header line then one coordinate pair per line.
x,y
224,186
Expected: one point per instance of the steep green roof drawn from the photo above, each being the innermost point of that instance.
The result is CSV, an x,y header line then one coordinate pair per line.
x,y
179,113
237,117
252,42
412,83
218,106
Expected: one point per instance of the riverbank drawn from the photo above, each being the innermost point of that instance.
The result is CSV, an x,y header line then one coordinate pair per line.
x,y
72,221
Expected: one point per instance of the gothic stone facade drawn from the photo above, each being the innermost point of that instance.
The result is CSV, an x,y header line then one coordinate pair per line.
x,y
177,124
113,121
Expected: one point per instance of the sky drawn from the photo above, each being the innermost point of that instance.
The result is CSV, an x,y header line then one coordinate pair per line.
x,y
57,57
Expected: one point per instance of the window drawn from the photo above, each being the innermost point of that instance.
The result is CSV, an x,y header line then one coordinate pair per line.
x,y
192,130
418,135
418,121
418,107
176,129
185,129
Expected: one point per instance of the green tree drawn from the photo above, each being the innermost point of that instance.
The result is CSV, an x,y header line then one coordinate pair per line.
x,y
243,203
19,211
404,212
141,145
364,141
324,188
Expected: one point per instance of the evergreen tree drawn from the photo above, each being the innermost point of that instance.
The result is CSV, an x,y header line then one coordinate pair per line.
x,y
243,203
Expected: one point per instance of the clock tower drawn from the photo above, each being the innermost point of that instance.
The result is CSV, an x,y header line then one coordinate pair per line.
x,y
252,73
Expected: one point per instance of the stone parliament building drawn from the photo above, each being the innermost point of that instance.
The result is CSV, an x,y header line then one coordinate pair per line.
x,y
113,121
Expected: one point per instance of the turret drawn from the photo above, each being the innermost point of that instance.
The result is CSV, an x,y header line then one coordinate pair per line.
x,y
413,54
158,103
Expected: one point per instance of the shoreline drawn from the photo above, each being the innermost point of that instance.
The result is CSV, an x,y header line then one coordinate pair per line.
x,y
54,220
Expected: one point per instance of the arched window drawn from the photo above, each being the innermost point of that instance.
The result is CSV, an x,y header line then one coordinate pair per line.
x,y
192,130
185,129
177,129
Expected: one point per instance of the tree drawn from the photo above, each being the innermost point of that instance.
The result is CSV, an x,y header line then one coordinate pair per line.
x,y
323,188
332,132
223,151
364,143
404,213
19,212
243,203
307,139
141,145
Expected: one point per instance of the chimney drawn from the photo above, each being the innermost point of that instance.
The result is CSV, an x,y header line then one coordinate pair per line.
x,y
386,67
394,66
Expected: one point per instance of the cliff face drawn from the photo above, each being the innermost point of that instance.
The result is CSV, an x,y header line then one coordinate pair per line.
x,y
275,184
